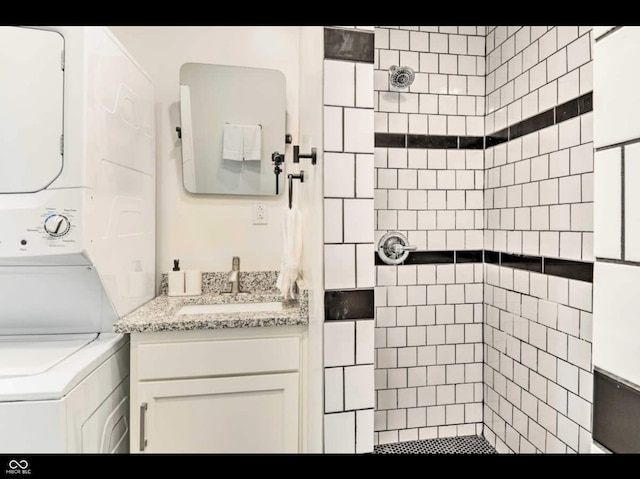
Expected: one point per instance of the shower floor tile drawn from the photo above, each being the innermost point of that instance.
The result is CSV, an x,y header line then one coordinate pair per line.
x,y
446,445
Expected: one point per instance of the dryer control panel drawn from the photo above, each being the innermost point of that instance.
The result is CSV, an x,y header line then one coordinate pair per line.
x,y
41,229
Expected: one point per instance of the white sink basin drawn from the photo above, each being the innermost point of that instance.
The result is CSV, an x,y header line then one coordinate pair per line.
x,y
229,308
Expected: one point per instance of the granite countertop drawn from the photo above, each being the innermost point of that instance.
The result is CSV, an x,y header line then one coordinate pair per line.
x,y
160,314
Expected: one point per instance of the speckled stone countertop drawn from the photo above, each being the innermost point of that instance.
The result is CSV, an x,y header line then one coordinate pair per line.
x,y
160,314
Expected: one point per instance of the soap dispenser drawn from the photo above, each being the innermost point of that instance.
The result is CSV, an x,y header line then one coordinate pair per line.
x,y
176,280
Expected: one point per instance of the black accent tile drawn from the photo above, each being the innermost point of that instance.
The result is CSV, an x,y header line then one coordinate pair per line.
x,y
616,422
497,138
430,257
535,123
417,141
442,141
471,142
348,304
529,263
390,140
579,270
469,256
352,45
491,257
585,103
567,110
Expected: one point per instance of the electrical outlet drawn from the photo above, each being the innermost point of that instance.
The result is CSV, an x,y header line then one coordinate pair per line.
x,y
259,214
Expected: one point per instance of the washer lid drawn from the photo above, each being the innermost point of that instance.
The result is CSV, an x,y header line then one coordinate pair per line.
x,y
35,354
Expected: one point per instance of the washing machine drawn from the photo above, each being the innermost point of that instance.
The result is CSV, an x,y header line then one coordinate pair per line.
x,y
77,241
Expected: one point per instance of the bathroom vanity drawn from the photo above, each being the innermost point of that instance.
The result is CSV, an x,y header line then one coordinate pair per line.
x,y
218,373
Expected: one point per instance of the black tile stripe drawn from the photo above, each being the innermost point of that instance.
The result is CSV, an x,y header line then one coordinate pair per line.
x,y
351,45
430,257
579,270
570,109
348,304
449,142
565,111
471,142
530,263
438,257
390,140
469,256
491,257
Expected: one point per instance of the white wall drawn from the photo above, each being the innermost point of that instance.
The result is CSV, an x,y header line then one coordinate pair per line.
x,y
309,198
206,231
616,340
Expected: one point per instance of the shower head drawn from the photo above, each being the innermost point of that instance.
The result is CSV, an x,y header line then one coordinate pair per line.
x,y
401,77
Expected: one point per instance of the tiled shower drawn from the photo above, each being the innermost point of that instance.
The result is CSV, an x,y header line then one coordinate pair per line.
x,y
485,163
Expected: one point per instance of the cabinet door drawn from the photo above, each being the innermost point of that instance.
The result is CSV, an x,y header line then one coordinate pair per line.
x,y
240,414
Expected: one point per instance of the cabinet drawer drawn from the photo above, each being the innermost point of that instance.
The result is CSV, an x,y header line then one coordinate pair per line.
x,y
215,358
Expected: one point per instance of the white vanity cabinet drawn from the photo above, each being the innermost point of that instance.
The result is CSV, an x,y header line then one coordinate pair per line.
x,y
236,390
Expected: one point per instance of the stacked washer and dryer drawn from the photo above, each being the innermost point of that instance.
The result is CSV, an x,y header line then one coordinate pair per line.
x,y
77,235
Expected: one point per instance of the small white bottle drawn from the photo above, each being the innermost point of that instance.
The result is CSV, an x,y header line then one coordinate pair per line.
x,y
193,282
176,280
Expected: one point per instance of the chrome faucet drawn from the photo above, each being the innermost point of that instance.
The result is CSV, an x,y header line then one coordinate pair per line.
x,y
234,275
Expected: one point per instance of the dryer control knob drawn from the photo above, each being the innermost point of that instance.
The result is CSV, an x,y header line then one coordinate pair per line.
x,y
57,225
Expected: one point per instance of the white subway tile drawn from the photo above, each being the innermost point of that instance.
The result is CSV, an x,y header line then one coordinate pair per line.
x,y
579,411
557,65
580,293
339,83
579,353
358,387
339,340
559,217
339,266
333,392
364,431
568,376
358,221
579,52
339,175
333,221
632,200
364,176
332,130
364,341
340,433
559,289
365,268
358,126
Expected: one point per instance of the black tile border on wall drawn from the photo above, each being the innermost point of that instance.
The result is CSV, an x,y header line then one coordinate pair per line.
x,y
435,142
350,45
437,257
565,111
564,268
558,114
579,270
348,304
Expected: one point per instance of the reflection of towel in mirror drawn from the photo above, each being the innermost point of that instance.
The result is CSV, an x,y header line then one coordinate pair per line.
x,y
232,142
252,142
292,253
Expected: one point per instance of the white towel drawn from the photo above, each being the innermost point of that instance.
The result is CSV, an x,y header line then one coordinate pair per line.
x,y
252,142
232,142
292,253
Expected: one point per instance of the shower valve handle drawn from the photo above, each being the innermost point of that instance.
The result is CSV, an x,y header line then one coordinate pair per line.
x,y
398,248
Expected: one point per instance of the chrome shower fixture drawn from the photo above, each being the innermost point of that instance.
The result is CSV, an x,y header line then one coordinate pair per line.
x,y
401,77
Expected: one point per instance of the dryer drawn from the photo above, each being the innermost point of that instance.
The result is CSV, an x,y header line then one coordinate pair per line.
x,y
77,234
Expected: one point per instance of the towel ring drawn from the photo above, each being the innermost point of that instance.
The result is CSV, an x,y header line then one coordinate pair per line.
x,y
291,178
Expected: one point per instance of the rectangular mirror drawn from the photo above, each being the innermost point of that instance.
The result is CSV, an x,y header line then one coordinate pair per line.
x,y
232,121
31,107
